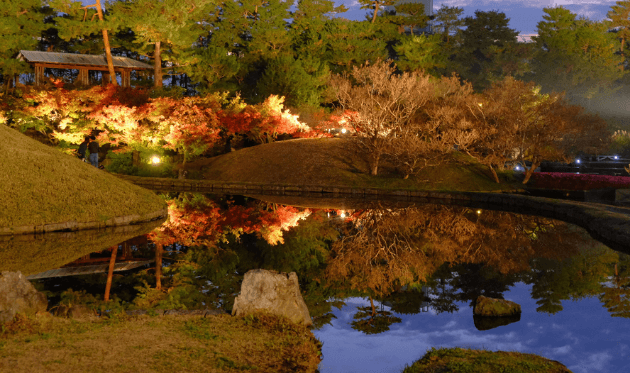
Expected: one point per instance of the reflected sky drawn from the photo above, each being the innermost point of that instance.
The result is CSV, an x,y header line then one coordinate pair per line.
x,y
583,336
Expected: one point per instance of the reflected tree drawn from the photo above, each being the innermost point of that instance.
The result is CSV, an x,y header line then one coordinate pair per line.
x,y
616,293
370,320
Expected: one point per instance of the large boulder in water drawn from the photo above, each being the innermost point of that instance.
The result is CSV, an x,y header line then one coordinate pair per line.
x,y
276,293
485,306
17,294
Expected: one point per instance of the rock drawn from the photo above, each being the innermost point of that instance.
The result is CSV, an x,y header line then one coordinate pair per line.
x,y
495,307
17,294
276,293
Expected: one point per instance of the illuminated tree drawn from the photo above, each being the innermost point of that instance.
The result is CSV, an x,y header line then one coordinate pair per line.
x,y
384,105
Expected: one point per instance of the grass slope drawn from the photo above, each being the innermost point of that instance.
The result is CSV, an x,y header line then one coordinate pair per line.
x,y
41,185
256,343
335,162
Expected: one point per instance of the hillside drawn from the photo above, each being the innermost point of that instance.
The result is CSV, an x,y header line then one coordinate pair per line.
x,y
41,185
335,162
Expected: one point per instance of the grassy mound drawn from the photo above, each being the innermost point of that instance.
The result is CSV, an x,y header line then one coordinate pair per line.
x,y
41,185
258,343
335,162
473,361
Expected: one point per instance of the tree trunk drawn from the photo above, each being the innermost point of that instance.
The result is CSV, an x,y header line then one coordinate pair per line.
x,y
494,175
157,66
375,11
135,158
374,164
158,266
530,172
110,273
182,172
108,50
373,309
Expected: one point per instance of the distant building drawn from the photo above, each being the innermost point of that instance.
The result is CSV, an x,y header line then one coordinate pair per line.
x,y
525,38
428,10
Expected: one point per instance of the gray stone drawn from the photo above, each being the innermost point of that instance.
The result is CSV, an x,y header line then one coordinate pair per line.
x,y
485,306
17,294
276,293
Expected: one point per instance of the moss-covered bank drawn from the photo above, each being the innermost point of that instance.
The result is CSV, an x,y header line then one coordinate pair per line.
x,y
40,186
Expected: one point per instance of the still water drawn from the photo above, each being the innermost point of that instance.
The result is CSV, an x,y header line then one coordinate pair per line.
x,y
384,281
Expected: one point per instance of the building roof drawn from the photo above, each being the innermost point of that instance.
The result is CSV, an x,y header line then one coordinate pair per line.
x,y
80,59
89,269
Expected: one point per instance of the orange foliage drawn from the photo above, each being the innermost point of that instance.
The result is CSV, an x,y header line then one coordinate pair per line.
x,y
197,220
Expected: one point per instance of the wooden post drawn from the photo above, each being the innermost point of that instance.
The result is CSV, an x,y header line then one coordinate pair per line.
x,y
83,77
110,273
125,78
39,75
159,248
105,79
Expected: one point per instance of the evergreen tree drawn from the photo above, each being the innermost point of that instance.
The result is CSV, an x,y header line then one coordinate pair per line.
x,y
486,45
162,24
21,22
79,23
309,26
620,20
447,21
352,43
302,82
422,52
412,15
576,56
375,6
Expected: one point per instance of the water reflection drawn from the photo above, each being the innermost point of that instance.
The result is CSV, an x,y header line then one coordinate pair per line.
x,y
401,262
32,254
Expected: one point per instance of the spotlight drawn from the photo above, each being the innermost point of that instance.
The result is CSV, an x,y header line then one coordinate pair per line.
x,y
155,160
343,130
578,161
616,157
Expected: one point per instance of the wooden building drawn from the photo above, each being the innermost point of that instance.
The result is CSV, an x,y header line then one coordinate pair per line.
x,y
81,62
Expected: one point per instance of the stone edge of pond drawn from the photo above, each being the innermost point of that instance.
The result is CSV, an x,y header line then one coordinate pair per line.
x,y
608,224
71,226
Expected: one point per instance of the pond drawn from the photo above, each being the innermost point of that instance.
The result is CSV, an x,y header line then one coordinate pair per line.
x,y
383,280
